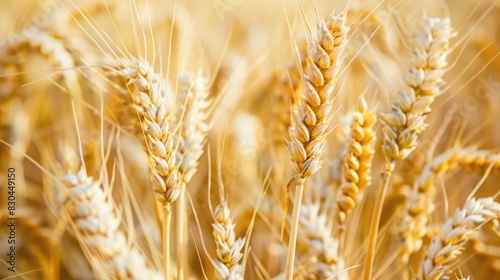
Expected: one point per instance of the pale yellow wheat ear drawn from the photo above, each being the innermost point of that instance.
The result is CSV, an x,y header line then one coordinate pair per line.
x,y
311,117
446,247
150,97
406,119
420,204
228,263
191,118
97,224
404,123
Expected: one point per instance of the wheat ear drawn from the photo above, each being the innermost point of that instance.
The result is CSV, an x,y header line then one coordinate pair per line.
x,y
405,122
95,219
311,118
357,161
229,248
447,247
420,203
315,235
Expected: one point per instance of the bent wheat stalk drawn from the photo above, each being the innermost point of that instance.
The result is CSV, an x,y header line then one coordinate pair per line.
x,y
311,117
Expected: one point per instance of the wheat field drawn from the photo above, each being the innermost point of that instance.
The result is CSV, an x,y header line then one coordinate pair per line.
x,y
231,139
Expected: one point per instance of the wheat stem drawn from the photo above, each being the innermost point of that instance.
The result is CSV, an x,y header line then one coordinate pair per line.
x,y
181,236
377,213
167,217
292,242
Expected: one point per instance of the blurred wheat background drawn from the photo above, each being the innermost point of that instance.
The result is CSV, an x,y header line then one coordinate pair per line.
x,y
231,139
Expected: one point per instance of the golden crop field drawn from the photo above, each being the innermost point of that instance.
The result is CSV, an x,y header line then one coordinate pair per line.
x,y
232,139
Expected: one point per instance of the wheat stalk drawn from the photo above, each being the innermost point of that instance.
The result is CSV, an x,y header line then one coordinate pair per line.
x,y
456,231
95,219
311,118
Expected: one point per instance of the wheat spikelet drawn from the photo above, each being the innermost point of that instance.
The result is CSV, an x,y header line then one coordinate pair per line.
x,y
229,248
448,246
358,160
405,122
420,203
95,219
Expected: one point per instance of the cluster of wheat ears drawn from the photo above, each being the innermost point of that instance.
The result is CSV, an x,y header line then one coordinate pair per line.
x,y
250,139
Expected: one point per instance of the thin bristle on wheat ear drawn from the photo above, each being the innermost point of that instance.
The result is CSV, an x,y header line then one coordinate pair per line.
x,y
97,223
229,248
404,123
465,223
311,117
420,204
357,161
